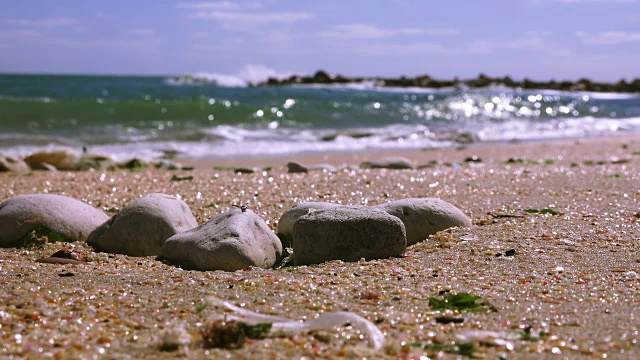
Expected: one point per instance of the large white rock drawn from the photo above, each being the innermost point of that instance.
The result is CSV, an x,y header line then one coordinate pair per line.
x,y
285,224
425,216
231,241
347,233
9,163
60,218
142,227
61,159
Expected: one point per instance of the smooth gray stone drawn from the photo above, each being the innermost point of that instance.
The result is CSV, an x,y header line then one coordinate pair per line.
x,y
285,224
347,233
425,216
142,227
60,218
231,241
396,162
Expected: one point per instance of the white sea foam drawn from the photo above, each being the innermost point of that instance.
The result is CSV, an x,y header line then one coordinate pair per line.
x,y
591,94
239,142
249,74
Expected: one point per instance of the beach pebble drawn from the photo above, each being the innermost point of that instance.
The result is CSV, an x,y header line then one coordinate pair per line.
x,y
141,227
347,233
425,216
61,159
244,170
285,224
231,241
294,167
8,163
394,162
63,257
55,216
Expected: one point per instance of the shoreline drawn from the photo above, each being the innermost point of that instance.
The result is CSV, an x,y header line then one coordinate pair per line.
x,y
493,151
562,283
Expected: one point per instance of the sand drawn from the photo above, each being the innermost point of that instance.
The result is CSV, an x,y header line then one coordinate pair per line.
x,y
575,274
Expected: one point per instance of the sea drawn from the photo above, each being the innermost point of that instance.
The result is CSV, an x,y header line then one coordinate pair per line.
x,y
222,116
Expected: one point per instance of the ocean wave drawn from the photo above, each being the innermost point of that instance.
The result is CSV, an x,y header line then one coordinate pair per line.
x,y
247,76
591,94
517,129
40,99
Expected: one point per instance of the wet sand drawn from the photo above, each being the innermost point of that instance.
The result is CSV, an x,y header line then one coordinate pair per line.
x,y
575,274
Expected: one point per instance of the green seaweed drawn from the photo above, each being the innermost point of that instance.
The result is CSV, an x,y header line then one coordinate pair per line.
x,y
256,331
135,163
232,334
457,348
223,168
524,161
449,319
543,211
38,235
461,302
528,335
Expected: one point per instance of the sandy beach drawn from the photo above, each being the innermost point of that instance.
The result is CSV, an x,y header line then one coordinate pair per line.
x,y
553,253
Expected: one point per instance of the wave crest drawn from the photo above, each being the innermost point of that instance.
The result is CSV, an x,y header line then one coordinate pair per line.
x,y
249,75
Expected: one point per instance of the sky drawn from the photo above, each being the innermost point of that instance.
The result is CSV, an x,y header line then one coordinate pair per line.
x,y
538,39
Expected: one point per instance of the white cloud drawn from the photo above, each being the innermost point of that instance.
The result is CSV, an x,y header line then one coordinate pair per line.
x,y
142,32
363,31
356,31
598,1
238,19
399,49
219,5
488,46
41,23
538,33
19,34
241,15
608,37
479,47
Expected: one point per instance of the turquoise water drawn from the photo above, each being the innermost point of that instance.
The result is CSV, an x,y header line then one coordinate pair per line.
x,y
142,116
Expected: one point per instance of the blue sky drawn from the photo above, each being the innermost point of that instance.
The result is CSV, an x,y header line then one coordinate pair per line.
x,y
540,39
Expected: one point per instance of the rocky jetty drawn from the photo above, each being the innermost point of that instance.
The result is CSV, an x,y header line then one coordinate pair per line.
x,y
482,81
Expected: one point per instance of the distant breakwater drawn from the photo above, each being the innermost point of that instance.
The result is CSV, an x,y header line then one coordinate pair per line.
x,y
482,81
